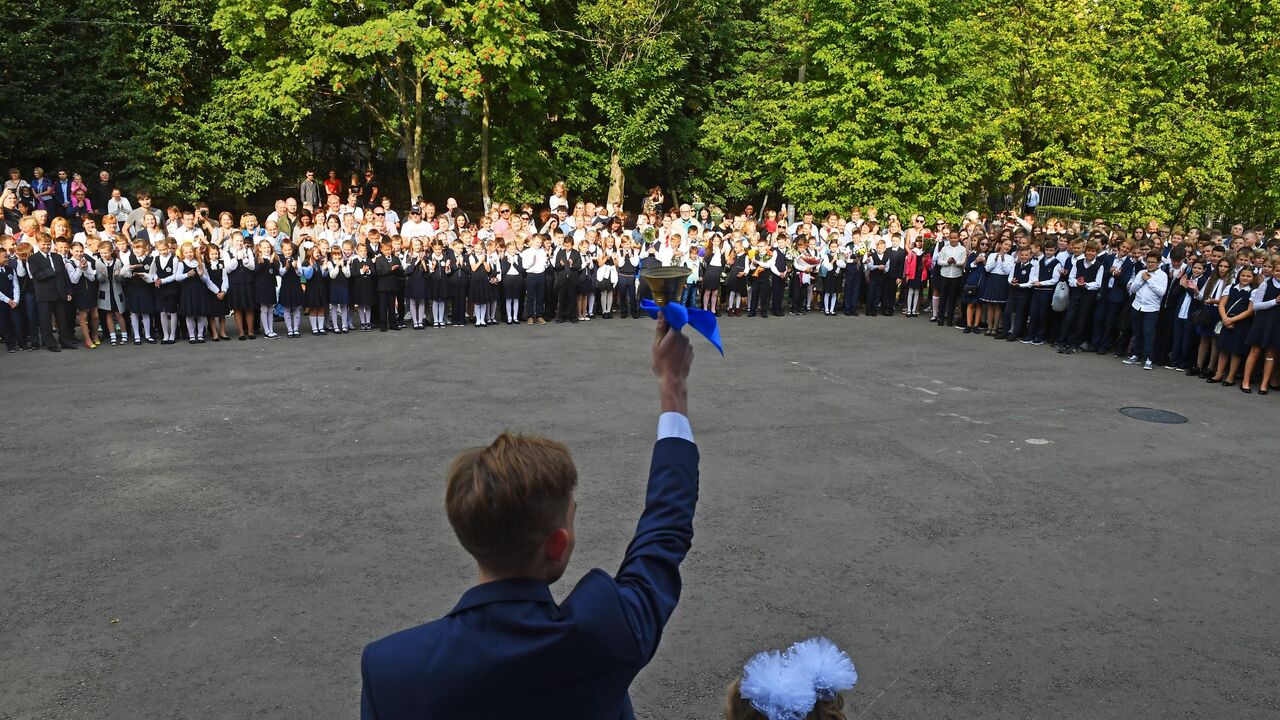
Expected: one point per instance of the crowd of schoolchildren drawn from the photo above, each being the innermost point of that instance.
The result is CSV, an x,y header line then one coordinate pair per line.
x,y
1202,302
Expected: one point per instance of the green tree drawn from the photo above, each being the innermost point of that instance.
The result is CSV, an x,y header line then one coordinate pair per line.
x,y
636,59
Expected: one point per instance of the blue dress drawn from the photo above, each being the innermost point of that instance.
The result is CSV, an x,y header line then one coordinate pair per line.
x,y
1233,340
973,281
1265,332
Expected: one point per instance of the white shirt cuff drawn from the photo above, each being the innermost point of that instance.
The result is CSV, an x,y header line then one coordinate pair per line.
x,y
674,425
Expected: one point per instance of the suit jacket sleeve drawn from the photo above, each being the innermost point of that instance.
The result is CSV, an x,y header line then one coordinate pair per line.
x,y
367,710
40,268
649,579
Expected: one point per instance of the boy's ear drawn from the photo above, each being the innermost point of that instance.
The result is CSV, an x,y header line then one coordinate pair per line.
x,y
557,544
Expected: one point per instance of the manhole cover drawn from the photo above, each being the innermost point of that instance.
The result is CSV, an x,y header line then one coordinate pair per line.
x,y
1153,415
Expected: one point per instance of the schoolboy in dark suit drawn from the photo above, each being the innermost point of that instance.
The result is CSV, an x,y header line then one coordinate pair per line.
x,y
508,649
52,290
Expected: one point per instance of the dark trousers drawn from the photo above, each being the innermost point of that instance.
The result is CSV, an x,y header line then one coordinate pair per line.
x,y
760,296
1181,338
627,295
852,289
1144,332
1106,323
777,293
1079,313
387,317
1015,310
550,296
8,327
533,302
27,319
875,291
890,293
567,297
952,288
458,314
1038,321
798,294
59,309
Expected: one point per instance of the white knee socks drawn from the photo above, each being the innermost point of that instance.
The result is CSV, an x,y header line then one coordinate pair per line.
x,y
169,325
145,320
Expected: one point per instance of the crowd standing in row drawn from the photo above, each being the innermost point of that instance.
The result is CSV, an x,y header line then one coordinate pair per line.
x,y
1202,302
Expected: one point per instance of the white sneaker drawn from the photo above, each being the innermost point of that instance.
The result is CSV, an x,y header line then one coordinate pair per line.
x,y
1146,365
1131,360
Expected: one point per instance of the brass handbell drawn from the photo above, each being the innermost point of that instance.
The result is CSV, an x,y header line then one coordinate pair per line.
x,y
666,281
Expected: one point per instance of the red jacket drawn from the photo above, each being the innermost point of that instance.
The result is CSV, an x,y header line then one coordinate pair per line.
x,y
918,266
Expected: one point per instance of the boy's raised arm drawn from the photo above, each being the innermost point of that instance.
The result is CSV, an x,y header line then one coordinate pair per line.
x,y
649,578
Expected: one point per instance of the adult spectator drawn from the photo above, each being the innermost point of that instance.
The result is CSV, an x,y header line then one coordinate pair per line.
x,y
415,226
289,219
652,204
332,206
333,186
1033,201
369,192
392,218
62,193
78,209
310,193
187,231
119,206
807,224
15,182
137,217
42,187
277,212
100,193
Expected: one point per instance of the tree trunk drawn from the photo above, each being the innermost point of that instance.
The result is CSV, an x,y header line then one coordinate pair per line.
x,y
413,167
484,150
615,177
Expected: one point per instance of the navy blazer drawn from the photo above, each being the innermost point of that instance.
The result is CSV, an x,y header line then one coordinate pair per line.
x,y
507,650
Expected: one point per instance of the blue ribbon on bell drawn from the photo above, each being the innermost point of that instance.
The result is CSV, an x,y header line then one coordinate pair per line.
x,y
678,316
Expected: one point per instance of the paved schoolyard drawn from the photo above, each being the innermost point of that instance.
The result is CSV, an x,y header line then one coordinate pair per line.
x,y
215,532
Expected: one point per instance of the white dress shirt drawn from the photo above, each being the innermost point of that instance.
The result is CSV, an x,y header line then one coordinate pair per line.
x,y
1147,293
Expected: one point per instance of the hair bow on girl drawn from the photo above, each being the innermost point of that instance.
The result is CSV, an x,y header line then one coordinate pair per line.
x,y
787,685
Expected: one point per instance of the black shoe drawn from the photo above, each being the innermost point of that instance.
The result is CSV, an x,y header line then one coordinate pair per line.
x,y
54,348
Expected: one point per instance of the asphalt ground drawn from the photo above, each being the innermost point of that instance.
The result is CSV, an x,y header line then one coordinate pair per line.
x,y
217,531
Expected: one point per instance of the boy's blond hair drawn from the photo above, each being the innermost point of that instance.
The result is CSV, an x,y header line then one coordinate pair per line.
x,y
503,500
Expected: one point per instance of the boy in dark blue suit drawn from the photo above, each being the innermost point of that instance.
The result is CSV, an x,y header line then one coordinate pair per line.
x,y
507,649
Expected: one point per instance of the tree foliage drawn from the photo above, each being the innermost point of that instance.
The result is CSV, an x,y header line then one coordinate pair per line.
x,y
1145,108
